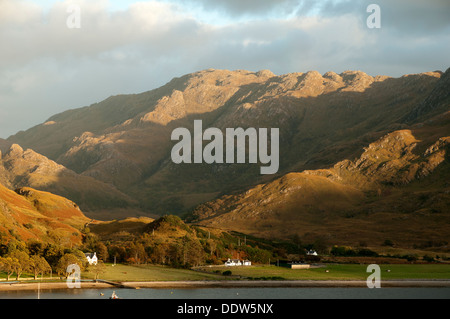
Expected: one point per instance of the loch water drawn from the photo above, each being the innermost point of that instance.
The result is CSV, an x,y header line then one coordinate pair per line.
x,y
235,293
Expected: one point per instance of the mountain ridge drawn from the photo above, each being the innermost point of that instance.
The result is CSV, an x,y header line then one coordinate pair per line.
x,y
125,140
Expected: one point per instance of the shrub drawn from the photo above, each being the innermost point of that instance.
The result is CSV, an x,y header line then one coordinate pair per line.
x,y
367,253
411,258
227,273
342,251
388,242
267,278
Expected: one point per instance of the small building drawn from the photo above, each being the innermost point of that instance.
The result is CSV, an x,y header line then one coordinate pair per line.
x,y
300,266
233,262
311,253
91,258
237,262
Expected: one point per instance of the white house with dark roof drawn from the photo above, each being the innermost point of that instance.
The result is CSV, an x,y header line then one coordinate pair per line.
x,y
237,262
311,253
91,258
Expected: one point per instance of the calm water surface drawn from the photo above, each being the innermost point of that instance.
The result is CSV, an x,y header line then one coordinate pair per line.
x,y
237,293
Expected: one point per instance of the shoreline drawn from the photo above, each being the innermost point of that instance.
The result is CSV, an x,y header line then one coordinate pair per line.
x,y
6,287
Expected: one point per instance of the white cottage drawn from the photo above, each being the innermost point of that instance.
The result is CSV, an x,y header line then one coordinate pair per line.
x,y
91,258
233,262
237,262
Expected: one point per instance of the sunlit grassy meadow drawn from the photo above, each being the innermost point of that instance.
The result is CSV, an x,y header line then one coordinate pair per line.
x,y
266,272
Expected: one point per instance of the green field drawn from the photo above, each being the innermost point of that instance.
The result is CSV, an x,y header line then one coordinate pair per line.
x,y
343,272
329,272
121,272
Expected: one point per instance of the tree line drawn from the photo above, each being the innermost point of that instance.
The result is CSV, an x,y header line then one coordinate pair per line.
x,y
196,247
38,258
169,241
193,249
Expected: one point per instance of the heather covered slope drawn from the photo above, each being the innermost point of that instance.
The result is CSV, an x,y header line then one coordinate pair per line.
x,y
323,119
28,214
397,189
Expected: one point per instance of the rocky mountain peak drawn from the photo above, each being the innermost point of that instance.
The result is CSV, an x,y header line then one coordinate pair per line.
x,y
15,150
356,81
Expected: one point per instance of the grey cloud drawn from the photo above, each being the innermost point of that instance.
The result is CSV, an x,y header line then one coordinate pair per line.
x,y
246,7
407,17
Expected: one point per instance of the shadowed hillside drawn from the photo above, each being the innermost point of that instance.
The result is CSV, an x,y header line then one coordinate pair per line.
x,y
323,119
398,190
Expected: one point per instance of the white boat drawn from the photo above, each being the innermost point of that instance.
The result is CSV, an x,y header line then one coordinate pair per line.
x,y
114,296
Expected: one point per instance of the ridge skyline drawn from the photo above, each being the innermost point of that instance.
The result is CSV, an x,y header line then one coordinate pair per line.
x,y
345,72
124,141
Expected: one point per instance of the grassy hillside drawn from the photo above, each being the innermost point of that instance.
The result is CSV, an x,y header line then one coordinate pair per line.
x,y
397,190
23,168
28,214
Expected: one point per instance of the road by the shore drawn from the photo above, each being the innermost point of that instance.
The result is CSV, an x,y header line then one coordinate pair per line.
x,y
21,286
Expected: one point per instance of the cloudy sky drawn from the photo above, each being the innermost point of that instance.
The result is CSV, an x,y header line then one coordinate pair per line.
x,y
48,64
